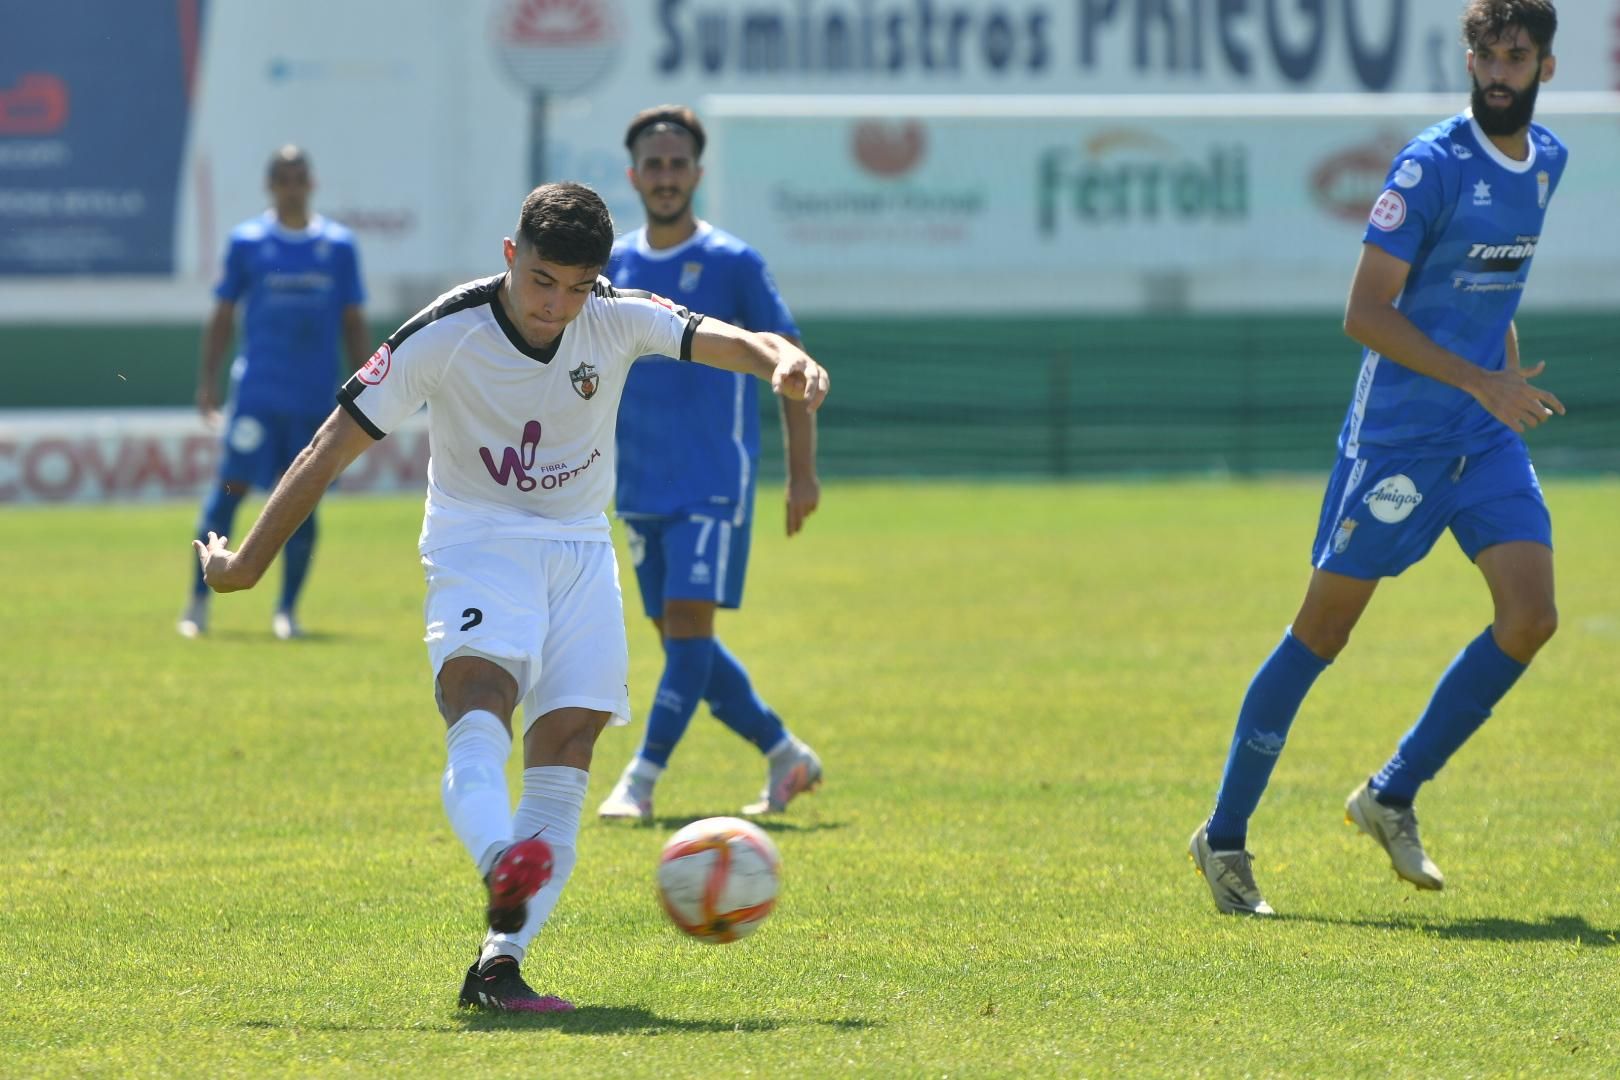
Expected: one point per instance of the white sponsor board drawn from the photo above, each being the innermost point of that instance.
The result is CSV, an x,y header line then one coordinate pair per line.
x,y
417,114
152,455
1062,205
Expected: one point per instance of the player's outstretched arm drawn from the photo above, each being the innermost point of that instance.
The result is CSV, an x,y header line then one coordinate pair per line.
x,y
784,365
339,441
1371,318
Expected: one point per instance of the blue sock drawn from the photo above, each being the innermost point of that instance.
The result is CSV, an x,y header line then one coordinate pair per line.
x,y
1464,697
218,515
295,559
1268,711
732,699
687,663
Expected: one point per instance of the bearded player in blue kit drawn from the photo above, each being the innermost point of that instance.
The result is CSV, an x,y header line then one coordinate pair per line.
x,y
297,276
1432,441
688,450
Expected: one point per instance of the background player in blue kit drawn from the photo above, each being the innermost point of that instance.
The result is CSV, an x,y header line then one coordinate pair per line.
x,y
297,276
1431,442
688,453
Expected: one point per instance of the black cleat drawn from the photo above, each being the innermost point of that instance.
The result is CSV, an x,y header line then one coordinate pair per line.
x,y
498,986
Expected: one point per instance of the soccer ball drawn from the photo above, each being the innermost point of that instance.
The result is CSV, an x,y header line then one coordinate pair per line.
x,y
718,878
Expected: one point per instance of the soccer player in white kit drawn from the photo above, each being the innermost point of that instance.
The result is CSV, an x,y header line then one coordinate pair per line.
x,y
521,374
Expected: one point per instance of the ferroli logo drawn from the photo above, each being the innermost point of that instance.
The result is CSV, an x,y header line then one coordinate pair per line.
x,y
1126,175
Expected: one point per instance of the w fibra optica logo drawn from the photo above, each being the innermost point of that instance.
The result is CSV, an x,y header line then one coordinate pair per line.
x,y
1127,175
515,461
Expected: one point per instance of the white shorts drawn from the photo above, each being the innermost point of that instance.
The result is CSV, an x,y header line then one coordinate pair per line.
x,y
547,611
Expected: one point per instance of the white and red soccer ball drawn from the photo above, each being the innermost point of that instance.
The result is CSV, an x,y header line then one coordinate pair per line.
x,y
718,879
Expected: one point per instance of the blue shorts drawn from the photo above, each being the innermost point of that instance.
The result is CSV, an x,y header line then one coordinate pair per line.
x,y
259,445
688,557
1381,515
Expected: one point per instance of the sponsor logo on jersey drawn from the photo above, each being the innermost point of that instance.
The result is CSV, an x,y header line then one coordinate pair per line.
x,y
1409,174
1389,212
585,380
1393,500
515,461
1461,152
376,369
1482,193
690,273
1521,249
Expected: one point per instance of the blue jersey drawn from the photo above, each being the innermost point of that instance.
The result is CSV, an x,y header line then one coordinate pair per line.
x,y
689,434
1468,219
294,287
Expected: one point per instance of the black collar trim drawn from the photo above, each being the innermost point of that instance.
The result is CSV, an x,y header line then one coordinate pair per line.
x,y
544,355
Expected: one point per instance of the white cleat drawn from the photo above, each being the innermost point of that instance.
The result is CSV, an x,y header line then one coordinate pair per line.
x,y
1229,875
194,620
630,799
1396,830
285,626
791,773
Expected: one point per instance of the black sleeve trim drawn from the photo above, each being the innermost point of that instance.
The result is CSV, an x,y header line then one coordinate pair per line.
x,y
686,338
345,396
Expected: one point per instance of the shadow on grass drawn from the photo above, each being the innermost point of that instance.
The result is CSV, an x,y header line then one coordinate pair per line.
x,y
585,1020
633,1020
1565,928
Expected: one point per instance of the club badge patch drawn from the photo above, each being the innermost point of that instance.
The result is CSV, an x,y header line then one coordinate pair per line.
x,y
585,380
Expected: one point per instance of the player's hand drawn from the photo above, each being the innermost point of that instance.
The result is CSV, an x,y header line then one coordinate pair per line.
x,y
800,378
219,565
208,406
803,496
1508,396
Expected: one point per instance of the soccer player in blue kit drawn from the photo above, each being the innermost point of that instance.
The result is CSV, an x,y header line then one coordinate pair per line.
x,y
1432,441
297,276
688,448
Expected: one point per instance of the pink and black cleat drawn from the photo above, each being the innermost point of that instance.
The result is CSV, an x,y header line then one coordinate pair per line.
x,y
498,986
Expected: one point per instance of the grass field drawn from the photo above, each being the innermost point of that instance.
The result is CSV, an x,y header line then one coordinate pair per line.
x,y
228,858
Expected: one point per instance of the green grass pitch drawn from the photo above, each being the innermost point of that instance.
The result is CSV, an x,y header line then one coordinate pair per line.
x,y
228,857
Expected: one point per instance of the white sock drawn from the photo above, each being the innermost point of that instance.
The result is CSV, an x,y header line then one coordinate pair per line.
x,y
553,797
474,786
642,769
787,744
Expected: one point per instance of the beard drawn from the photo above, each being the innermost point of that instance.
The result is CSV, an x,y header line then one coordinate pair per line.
x,y
669,218
1510,118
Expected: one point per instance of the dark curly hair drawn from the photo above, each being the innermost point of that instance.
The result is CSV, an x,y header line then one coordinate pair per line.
x,y
1485,21
567,224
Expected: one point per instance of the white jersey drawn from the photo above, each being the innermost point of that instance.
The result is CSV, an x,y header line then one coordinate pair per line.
x,y
521,440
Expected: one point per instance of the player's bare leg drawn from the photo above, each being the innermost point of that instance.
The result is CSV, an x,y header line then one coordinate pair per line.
x,y
1520,577
1333,605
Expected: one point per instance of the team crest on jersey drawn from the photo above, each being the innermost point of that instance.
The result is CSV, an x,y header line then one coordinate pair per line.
x,y
1341,537
376,369
690,272
1543,185
585,380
